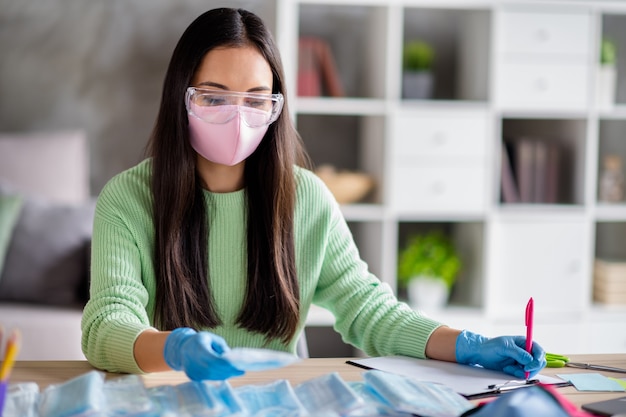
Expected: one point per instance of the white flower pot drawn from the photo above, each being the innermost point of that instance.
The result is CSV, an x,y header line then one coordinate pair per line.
x,y
606,80
427,293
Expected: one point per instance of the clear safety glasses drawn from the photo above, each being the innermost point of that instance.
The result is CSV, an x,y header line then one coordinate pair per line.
x,y
216,106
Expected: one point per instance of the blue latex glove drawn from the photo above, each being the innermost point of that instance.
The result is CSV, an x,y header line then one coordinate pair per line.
x,y
503,353
199,354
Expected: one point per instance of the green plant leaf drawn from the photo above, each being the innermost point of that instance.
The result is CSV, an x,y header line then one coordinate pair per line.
x,y
417,56
608,53
432,254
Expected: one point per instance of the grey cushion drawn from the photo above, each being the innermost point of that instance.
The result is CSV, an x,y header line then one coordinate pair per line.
x,y
46,261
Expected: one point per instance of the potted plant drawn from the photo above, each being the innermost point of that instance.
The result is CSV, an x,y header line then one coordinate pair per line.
x,y
417,77
606,74
428,267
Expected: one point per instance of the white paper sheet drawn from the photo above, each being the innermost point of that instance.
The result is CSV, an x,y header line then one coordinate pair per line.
x,y
467,380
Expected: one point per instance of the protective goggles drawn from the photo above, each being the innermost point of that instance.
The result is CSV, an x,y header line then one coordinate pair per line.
x,y
216,106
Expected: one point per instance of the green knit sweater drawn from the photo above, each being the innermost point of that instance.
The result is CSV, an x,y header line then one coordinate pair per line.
x,y
330,272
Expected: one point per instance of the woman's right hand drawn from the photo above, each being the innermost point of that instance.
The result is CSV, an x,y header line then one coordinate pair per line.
x,y
199,354
502,353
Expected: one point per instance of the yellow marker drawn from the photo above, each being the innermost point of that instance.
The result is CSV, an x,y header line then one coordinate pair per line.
x,y
13,347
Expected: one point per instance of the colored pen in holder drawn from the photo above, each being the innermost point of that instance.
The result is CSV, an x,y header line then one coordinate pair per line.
x,y
10,354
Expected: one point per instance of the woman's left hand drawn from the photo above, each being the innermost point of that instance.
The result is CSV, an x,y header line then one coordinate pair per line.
x,y
503,353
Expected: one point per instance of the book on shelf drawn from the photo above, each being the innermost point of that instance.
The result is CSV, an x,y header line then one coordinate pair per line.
x,y
317,72
530,171
525,166
540,174
510,193
551,195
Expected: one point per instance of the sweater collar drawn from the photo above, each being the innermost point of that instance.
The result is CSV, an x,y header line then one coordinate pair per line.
x,y
234,199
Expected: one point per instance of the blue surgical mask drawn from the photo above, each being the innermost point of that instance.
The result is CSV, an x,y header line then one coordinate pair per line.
x,y
127,396
198,398
375,405
21,400
408,395
164,399
276,398
226,393
326,393
83,395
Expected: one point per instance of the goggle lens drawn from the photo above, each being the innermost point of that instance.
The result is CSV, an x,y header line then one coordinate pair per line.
x,y
221,106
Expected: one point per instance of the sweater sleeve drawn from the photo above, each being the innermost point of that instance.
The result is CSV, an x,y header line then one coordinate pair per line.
x,y
367,314
116,312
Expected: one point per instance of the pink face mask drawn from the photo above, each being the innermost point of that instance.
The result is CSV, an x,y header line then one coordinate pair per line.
x,y
230,142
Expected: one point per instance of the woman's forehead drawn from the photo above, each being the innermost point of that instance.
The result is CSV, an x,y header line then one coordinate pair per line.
x,y
240,68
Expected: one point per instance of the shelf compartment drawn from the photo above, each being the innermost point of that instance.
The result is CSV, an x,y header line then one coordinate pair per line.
x,y
610,240
609,285
545,34
461,39
549,252
438,161
369,237
469,241
613,28
351,143
542,161
542,59
611,143
357,38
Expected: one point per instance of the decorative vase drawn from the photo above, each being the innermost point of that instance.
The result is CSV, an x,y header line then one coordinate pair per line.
x,y
427,293
606,79
417,84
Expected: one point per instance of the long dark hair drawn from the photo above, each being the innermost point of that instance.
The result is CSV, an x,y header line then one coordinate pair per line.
x,y
183,294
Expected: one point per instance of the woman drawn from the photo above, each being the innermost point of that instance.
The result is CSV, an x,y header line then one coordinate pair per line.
x,y
221,230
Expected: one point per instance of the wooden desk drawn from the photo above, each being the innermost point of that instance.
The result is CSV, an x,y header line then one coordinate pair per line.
x,y
53,372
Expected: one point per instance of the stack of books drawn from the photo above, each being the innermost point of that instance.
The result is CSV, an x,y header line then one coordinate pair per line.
x,y
609,282
317,73
531,171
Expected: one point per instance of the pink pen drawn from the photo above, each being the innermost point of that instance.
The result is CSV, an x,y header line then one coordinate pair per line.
x,y
530,307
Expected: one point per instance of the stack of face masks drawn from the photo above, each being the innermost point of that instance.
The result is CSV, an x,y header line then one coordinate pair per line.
x,y
21,400
379,394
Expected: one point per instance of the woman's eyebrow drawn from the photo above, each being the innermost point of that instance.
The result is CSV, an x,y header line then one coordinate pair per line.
x,y
261,88
212,84
223,87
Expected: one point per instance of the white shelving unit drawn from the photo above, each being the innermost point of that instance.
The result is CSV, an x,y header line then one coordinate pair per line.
x,y
503,68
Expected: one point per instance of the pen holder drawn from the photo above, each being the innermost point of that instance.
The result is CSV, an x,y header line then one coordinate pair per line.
x,y
3,395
